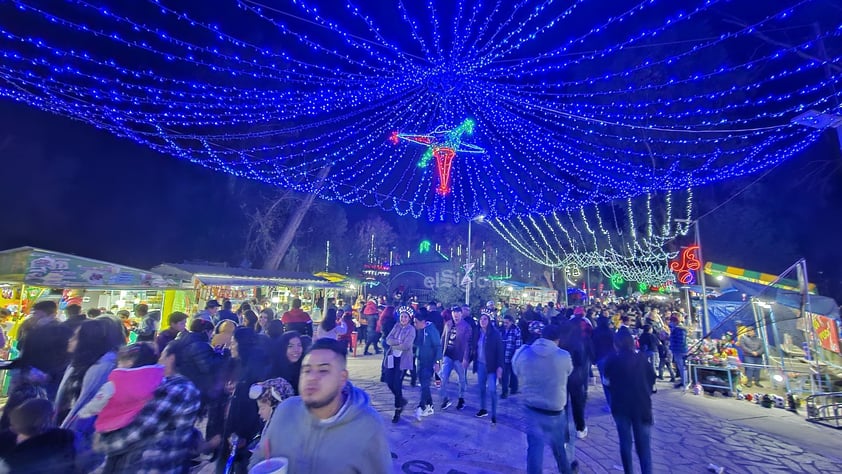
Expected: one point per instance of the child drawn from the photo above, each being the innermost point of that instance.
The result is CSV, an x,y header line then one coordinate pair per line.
x,y
38,447
129,387
269,394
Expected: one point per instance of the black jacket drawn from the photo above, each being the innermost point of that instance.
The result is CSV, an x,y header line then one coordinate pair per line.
x,y
494,349
630,380
202,365
603,341
52,452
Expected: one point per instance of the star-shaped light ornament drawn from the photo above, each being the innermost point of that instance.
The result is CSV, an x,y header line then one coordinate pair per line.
x,y
442,145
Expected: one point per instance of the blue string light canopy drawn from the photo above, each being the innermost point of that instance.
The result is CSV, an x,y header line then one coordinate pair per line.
x,y
571,103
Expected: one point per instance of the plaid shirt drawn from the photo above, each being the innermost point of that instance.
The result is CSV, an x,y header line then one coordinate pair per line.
x,y
159,439
511,342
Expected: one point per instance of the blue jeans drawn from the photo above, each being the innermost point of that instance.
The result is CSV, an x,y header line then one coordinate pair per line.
x,y
642,443
753,373
487,383
600,364
546,429
509,379
678,358
448,365
425,377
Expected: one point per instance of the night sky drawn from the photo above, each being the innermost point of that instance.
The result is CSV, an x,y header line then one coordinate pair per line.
x,y
72,188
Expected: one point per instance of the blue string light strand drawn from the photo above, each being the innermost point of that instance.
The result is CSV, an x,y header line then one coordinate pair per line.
x,y
572,103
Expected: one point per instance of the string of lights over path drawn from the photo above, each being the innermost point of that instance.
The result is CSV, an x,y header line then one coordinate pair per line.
x,y
551,105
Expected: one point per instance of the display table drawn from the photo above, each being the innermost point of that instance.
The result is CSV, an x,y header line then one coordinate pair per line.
x,y
716,378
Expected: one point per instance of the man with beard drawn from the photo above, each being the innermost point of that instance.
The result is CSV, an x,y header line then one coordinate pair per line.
x,y
329,414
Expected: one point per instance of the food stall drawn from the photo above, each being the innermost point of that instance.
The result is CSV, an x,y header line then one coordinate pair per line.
x,y
520,294
29,274
199,282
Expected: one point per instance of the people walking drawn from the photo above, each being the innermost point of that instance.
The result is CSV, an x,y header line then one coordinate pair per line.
x,y
678,347
428,349
488,365
511,343
456,349
399,357
542,369
630,377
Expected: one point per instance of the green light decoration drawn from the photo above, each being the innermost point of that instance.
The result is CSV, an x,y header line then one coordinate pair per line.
x,y
424,246
442,145
642,287
425,158
617,281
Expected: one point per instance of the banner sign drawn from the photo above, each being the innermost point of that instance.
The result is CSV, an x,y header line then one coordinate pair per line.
x,y
827,332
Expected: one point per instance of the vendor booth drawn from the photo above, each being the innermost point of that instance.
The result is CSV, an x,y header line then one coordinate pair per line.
x,y
199,283
29,274
798,329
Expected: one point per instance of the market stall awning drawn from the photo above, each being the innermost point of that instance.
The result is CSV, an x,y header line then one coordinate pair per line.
x,y
219,275
44,268
333,277
715,269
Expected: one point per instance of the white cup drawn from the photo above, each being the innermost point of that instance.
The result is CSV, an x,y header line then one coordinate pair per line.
x,y
271,466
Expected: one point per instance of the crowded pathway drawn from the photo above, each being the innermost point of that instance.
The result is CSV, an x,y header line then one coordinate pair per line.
x,y
690,433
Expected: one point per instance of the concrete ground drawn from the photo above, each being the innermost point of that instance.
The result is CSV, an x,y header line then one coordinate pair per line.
x,y
690,432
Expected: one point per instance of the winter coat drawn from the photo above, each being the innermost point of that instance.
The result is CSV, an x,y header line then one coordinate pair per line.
x,y
94,378
456,342
400,340
630,378
52,452
494,350
428,346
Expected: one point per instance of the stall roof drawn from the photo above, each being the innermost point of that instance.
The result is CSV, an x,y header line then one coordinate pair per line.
x,y
218,275
751,276
45,268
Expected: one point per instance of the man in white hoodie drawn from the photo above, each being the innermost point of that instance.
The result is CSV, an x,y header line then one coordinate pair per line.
x,y
331,426
542,369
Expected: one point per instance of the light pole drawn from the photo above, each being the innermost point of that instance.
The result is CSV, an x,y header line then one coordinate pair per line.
x,y
468,264
705,320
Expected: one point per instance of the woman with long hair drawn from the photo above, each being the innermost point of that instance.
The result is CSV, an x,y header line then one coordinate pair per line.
x,y
399,357
263,320
286,355
250,358
488,359
93,350
329,327
250,320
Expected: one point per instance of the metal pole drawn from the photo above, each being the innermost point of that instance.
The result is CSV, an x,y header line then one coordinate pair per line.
x,y
705,321
689,307
468,273
779,343
817,357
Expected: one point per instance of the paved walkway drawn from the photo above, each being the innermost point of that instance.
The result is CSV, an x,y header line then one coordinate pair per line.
x,y
690,433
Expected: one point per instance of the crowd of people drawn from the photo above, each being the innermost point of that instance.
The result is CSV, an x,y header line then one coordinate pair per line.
x,y
239,387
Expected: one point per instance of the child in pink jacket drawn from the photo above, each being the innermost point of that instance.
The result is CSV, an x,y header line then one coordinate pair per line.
x,y
129,387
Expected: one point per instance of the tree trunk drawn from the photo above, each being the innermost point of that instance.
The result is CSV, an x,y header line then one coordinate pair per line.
x,y
281,246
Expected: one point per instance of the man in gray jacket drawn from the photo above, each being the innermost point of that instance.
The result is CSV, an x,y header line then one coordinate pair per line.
x,y
332,426
542,369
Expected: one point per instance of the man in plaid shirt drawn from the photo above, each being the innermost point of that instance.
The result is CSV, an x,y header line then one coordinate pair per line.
x,y
511,343
160,438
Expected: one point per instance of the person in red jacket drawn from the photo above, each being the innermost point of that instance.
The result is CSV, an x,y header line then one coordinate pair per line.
x,y
297,319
